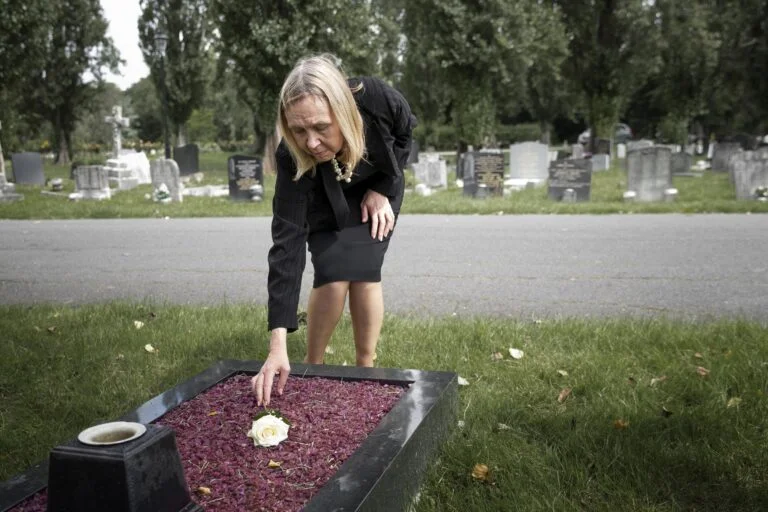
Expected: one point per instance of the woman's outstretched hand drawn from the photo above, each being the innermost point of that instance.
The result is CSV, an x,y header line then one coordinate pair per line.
x,y
376,207
276,365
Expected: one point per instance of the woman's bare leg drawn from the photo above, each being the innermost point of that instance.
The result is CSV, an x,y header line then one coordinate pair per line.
x,y
366,305
326,304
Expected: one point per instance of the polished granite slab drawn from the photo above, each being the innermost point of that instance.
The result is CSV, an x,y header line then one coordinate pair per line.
x,y
383,474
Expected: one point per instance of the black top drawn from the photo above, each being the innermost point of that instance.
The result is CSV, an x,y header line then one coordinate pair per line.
x,y
317,202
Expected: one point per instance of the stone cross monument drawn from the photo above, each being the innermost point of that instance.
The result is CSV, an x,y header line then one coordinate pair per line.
x,y
118,122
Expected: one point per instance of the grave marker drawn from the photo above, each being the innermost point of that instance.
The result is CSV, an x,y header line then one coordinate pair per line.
x,y
245,172
649,173
188,159
570,180
167,172
28,168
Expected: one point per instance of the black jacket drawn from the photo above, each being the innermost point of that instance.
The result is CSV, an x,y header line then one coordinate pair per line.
x,y
318,202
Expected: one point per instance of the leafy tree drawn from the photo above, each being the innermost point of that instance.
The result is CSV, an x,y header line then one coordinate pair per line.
x,y
184,70
263,39
91,128
613,47
143,105
76,44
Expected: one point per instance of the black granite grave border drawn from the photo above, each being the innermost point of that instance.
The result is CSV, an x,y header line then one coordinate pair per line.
x,y
384,473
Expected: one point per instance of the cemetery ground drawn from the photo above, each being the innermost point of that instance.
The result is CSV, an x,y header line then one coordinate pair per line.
x,y
618,414
710,193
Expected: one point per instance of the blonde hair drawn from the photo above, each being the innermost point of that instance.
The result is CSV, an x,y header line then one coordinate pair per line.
x,y
319,76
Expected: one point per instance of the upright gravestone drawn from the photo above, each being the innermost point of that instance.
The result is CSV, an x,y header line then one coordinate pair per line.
x,y
188,159
649,174
577,151
431,170
529,162
167,172
680,163
484,174
570,180
244,172
28,169
750,171
117,122
621,151
722,155
91,182
600,162
638,144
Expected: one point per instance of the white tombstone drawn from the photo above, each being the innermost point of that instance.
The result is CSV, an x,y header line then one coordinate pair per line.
x,y
577,151
649,173
529,161
91,182
621,151
552,156
166,172
431,170
118,122
129,170
750,171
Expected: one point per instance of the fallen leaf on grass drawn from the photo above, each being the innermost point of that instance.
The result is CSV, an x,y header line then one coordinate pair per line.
x,y
565,393
698,355
274,464
497,356
516,353
631,381
480,472
657,380
462,381
51,329
702,371
138,324
461,424
621,424
120,357
36,328
205,491
503,426
329,350
562,373
666,413
733,402
149,348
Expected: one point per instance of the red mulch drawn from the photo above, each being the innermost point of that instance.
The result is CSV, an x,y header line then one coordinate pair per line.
x,y
329,420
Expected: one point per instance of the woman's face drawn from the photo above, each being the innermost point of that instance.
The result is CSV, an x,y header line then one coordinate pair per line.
x,y
314,127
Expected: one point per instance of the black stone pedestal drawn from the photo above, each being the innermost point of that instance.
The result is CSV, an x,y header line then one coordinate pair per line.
x,y
143,475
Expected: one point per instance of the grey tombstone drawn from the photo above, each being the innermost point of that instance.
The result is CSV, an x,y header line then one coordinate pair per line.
x,y
167,172
28,168
722,155
649,174
680,163
600,162
638,144
91,182
570,180
529,161
188,159
484,174
577,151
750,171
245,173
431,170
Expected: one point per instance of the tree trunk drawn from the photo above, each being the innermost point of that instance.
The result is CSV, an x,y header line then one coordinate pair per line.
x,y
63,147
181,135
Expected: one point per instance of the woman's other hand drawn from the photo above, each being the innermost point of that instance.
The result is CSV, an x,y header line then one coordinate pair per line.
x,y
376,207
276,365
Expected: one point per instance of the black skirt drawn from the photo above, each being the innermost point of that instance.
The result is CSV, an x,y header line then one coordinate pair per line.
x,y
347,255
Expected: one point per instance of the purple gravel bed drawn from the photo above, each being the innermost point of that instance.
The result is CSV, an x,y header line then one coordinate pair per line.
x,y
329,420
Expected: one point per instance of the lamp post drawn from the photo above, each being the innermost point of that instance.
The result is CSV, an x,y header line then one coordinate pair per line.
x,y
161,43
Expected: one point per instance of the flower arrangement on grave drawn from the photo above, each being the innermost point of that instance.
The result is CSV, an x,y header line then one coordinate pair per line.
x,y
162,194
269,428
761,193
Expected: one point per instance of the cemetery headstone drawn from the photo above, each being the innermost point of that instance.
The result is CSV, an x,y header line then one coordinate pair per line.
x,y
529,162
621,151
750,171
680,163
570,180
484,174
649,173
188,159
722,155
577,151
117,122
638,144
91,182
129,170
28,168
245,172
431,170
166,172
601,162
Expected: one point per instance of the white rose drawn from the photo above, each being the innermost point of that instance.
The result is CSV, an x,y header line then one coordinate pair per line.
x,y
268,430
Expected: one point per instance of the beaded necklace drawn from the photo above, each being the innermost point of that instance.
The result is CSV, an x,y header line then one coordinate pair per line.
x,y
346,175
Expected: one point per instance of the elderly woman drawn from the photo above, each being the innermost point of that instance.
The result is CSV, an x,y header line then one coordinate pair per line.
x,y
345,143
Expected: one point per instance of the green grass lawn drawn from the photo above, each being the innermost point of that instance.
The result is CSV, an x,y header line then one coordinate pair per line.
x,y
707,194
644,426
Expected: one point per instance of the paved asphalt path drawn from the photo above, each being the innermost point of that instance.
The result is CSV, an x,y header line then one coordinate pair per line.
x,y
531,266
